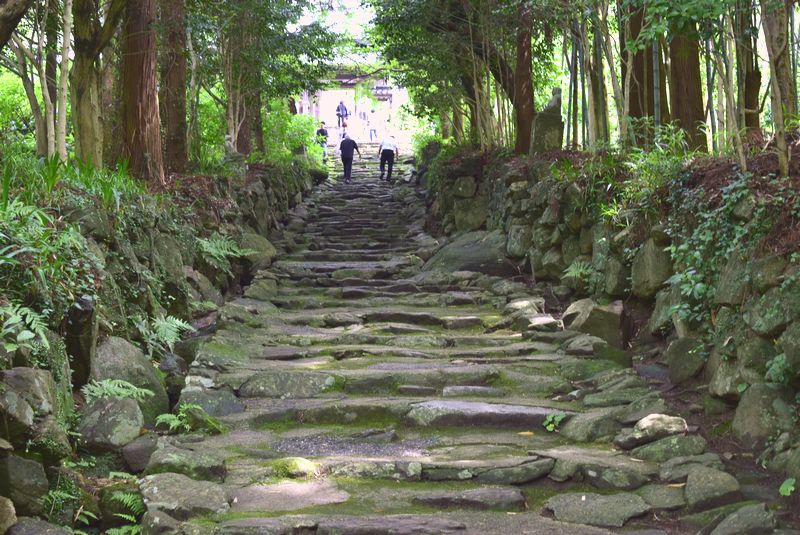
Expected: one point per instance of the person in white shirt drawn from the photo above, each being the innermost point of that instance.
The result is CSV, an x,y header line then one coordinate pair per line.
x,y
387,153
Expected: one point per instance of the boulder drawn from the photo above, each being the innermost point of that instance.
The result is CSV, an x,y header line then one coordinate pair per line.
x,y
685,357
24,482
49,440
597,510
82,328
734,281
519,241
470,214
35,386
547,131
591,426
652,266
766,272
262,252
198,465
767,315
138,452
108,424
464,187
763,411
157,522
8,515
617,277
754,519
588,317
678,469
34,526
670,447
662,497
216,402
651,428
481,252
708,487
119,359
181,497
790,344
16,418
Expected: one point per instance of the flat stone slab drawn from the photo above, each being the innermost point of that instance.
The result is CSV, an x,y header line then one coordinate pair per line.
x,y
286,384
460,523
456,413
601,468
475,391
181,497
506,499
286,496
597,510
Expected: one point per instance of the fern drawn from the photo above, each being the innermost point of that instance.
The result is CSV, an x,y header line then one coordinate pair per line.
x,y
113,388
132,501
21,326
173,422
218,250
161,333
169,329
130,529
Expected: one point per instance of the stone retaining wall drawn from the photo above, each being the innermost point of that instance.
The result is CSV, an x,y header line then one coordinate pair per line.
x,y
755,333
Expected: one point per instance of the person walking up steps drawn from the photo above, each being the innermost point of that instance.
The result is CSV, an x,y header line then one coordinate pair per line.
x,y
387,153
347,147
341,114
322,138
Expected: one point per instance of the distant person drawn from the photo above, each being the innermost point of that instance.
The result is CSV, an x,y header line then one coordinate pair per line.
x,y
322,138
387,153
341,114
346,148
373,132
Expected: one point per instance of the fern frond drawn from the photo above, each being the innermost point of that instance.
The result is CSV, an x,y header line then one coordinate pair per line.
x,y
113,388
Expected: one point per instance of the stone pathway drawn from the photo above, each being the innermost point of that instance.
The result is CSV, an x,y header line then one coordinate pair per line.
x,y
365,395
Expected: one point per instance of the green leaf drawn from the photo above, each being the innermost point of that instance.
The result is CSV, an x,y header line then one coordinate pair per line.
x,y
787,488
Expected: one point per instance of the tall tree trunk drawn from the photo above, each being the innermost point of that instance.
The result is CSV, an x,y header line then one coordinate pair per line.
x,y
257,121
525,112
686,88
11,12
141,120
29,86
173,84
774,22
748,67
641,91
775,19
598,97
63,83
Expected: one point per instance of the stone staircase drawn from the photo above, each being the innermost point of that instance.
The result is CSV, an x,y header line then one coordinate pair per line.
x,y
366,396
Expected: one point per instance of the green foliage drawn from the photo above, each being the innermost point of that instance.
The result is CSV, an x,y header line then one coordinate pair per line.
x,y
134,504
779,370
184,421
704,238
113,388
787,488
653,168
161,333
582,275
218,250
553,420
22,328
15,111
287,136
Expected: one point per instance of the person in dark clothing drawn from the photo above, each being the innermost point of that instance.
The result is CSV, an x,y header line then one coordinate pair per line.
x,y
346,148
387,153
322,138
341,114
